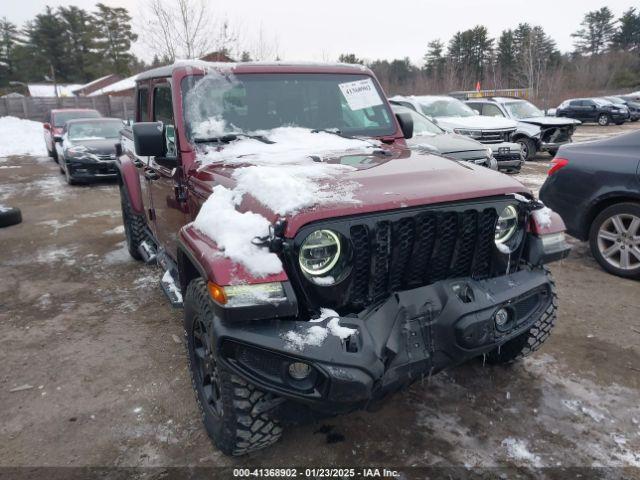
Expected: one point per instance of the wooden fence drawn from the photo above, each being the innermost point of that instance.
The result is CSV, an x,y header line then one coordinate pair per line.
x,y
35,108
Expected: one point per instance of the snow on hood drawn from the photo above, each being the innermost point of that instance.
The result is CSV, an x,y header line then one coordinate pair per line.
x,y
284,177
476,122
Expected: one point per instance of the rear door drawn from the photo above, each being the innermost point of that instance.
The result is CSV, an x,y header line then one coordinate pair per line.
x,y
164,181
590,110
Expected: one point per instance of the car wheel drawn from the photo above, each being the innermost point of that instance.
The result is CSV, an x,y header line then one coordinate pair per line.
x,y
528,147
603,119
530,341
69,177
134,225
229,405
615,239
9,216
620,123
635,119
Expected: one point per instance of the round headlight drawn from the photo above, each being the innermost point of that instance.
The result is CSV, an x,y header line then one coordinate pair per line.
x,y
507,225
319,252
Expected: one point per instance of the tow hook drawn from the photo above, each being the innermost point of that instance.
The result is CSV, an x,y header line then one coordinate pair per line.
x,y
275,239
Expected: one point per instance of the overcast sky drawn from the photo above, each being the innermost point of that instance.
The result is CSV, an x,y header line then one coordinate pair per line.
x,y
321,30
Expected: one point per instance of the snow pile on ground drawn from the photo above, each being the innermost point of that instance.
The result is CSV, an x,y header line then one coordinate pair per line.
x,y
518,450
21,137
285,176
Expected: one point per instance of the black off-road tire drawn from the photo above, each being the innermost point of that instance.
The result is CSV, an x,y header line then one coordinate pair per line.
x,y
604,119
628,208
134,225
530,341
10,216
529,148
238,427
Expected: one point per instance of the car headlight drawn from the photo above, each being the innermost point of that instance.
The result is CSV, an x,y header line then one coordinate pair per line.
x,y
77,150
468,133
319,252
506,227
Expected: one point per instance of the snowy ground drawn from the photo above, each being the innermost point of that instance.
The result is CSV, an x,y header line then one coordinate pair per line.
x,y
93,369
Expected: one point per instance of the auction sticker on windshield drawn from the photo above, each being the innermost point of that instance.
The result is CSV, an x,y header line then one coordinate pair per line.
x,y
360,94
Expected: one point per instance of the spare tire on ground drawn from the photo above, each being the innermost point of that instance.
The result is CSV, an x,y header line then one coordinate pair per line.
x,y
9,216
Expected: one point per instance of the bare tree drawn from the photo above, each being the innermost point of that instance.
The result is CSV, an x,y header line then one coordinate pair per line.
x,y
185,29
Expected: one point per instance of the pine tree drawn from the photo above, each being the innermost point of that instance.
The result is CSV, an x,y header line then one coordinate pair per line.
x,y
596,32
627,36
80,34
116,36
434,59
9,40
46,48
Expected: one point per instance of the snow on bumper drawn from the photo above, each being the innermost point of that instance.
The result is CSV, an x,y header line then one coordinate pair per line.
x,y
410,335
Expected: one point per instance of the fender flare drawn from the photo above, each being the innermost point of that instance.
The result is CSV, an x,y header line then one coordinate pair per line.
x,y
131,182
198,256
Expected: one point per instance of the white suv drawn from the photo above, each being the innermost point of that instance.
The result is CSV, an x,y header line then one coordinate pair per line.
x,y
454,116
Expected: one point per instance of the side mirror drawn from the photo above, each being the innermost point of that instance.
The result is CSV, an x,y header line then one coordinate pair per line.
x,y
476,112
148,139
46,126
57,139
406,124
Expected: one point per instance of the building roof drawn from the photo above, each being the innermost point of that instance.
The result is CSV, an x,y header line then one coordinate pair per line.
x,y
87,86
48,90
128,83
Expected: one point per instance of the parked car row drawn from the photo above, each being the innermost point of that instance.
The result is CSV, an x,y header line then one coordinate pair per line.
x,y
601,110
83,143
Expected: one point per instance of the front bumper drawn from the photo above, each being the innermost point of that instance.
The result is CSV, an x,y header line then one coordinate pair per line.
x,y
507,154
91,169
410,335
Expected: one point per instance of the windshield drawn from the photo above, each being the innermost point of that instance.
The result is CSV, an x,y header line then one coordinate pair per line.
x,y
60,118
523,110
95,130
602,101
445,107
614,99
216,104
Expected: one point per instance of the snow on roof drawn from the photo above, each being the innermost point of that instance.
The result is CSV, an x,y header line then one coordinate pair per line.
x,y
124,84
92,82
47,89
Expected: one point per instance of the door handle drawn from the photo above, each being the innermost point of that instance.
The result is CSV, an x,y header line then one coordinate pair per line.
x,y
151,175
138,163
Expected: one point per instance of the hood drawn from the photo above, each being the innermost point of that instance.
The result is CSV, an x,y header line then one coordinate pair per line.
x,y
402,178
478,122
550,121
448,143
102,146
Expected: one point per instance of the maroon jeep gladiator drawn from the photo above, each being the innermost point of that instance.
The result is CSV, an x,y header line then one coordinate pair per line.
x,y
372,267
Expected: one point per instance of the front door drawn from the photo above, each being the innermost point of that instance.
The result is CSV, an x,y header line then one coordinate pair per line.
x,y
164,180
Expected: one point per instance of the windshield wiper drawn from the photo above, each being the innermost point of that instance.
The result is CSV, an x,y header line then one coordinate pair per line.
x,y
333,131
230,137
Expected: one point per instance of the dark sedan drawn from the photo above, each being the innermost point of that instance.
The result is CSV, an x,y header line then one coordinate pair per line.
x,y
595,187
87,149
596,110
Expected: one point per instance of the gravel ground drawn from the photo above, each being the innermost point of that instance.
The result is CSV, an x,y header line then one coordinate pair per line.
x,y
93,368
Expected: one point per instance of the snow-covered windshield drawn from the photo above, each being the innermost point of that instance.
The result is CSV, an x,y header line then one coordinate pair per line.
x,y
444,107
95,130
523,109
60,118
217,104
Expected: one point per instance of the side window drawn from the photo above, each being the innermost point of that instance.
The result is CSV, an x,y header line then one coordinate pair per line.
x,y
491,110
163,112
475,106
143,105
588,103
576,103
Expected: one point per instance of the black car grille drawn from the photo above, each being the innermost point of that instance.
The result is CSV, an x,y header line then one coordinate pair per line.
x,y
504,157
417,250
106,157
495,136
